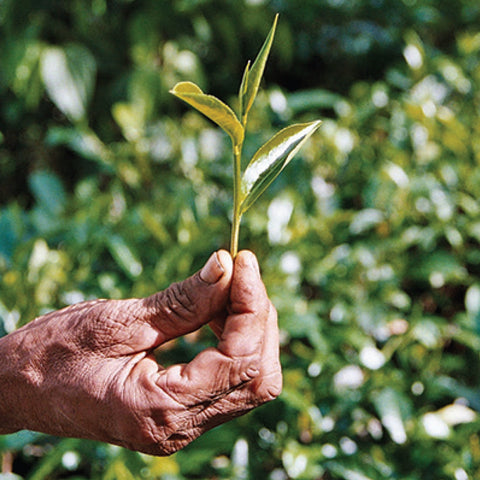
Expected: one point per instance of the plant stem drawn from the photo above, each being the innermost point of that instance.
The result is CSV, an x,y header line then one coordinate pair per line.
x,y
234,237
237,178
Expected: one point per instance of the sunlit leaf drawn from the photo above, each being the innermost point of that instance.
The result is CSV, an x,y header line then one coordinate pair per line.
x,y
130,119
82,141
365,219
69,76
472,300
163,466
312,99
347,473
253,76
391,407
456,413
271,159
124,256
211,107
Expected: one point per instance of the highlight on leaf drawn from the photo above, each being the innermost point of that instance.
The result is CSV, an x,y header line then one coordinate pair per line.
x,y
211,107
271,159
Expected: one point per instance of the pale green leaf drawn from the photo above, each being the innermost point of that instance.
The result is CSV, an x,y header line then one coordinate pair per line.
x,y
254,75
271,159
211,107
393,408
472,300
69,77
124,256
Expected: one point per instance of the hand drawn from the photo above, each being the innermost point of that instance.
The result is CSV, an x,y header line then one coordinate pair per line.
x,y
89,371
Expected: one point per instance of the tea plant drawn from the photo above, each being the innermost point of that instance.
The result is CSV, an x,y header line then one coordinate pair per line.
x,y
270,159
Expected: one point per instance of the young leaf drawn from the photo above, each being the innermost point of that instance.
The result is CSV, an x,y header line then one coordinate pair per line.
x,y
271,159
254,75
243,88
211,107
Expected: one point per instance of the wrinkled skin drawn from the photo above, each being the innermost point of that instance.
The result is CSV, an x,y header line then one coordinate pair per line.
x,y
89,371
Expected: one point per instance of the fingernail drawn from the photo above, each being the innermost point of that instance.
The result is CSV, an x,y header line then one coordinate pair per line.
x,y
212,270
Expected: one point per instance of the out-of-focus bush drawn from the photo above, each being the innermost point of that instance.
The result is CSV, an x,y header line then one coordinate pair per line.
x,y
369,242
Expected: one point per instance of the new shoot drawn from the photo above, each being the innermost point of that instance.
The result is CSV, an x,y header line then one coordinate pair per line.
x,y
270,159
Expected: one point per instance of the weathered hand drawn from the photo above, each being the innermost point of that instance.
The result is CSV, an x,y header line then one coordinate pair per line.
x,y
89,371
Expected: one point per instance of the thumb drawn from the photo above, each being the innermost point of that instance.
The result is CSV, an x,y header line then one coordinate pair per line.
x,y
185,306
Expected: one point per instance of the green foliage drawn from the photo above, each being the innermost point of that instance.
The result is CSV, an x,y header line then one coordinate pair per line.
x,y
370,252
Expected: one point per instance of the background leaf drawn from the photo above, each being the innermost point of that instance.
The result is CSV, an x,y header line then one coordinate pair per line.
x,y
69,77
48,192
124,256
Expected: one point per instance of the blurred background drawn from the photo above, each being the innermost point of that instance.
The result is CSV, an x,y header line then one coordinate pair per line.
x,y
368,242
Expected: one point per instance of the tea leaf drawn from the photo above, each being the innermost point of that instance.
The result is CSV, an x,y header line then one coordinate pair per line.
x,y
243,88
211,107
254,75
271,159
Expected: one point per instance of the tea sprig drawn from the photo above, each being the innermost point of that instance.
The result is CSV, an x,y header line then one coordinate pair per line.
x,y
270,159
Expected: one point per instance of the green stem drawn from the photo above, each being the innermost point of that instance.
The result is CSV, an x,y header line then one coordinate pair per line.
x,y
234,237
237,179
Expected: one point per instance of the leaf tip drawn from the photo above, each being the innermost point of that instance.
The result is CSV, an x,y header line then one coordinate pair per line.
x,y
275,20
185,87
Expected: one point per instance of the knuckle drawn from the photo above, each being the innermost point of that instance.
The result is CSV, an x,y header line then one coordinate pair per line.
x,y
107,324
95,324
147,434
176,302
270,389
